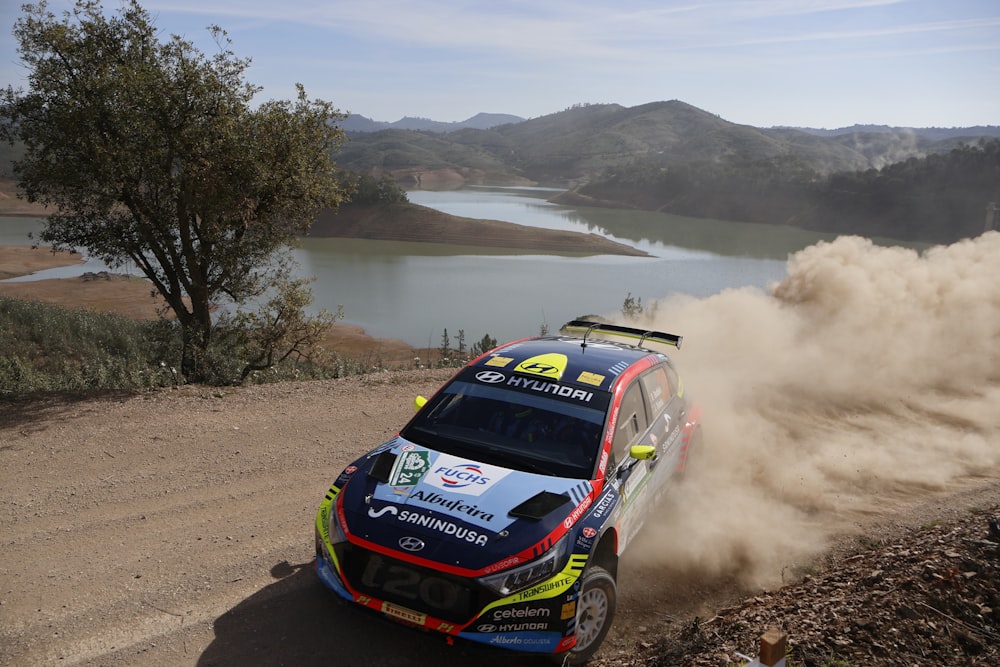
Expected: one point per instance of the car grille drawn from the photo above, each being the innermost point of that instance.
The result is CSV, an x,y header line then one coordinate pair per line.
x,y
445,596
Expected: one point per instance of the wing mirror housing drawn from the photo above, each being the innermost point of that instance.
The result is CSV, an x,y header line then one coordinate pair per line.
x,y
642,452
419,402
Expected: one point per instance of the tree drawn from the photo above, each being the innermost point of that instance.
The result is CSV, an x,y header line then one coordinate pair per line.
x,y
632,307
487,343
279,330
152,155
445,348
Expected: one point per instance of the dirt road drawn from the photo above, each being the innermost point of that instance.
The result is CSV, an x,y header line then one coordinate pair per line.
x,y
175,528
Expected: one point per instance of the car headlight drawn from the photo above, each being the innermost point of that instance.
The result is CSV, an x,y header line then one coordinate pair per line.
x,y
337,534
529,574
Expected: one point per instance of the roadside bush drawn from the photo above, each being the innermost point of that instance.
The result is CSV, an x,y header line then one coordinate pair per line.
x,y
47,348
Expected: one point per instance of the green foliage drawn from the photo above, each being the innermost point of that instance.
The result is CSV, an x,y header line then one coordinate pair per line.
x,y
366,189
405,149
580,142
153,155
482,346
633,310
445,348
48,348
278,330
449,356
632,307
939,198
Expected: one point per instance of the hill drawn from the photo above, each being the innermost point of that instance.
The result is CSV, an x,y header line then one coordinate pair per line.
x,y
355,123
578,143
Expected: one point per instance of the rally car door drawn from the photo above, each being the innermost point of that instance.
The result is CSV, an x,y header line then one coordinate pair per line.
x,y
650,414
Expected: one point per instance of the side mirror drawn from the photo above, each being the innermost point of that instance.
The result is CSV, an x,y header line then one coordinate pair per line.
x,y
642,452
419,402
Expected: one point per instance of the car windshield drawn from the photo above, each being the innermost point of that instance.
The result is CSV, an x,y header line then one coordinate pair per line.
x,y
526,424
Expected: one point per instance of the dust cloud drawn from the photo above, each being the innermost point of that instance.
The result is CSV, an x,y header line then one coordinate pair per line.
x,y
867,379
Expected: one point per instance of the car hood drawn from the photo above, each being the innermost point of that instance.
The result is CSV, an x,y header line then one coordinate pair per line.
x,y
459,512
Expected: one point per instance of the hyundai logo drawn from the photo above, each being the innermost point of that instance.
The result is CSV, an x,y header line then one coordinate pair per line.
x,y
411,543
490,377
541,369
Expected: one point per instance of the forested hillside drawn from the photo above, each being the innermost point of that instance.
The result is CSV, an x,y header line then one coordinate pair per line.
x,y
937,199
928,185
576,144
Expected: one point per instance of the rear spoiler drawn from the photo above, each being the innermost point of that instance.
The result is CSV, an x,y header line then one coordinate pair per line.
x,y
617,330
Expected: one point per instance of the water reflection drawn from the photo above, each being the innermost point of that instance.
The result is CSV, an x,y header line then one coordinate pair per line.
x,y
660,234
414,291
392,292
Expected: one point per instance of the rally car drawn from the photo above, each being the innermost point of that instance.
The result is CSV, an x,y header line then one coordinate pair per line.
x,y
499,512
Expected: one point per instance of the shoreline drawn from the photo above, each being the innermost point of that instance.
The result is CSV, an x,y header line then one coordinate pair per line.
x,y
130,296
23,260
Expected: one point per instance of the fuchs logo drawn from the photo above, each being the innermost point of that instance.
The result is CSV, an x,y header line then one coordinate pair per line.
x,y
462,476
490,377
589,532
456,475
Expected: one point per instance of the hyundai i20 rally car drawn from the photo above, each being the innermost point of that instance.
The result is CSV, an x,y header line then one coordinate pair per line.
x,y
499,512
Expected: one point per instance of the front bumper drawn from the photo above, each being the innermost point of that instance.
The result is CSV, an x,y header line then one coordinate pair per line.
x,y
540,619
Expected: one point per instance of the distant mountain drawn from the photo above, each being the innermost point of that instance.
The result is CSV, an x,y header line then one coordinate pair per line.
x,y
579,143
481,121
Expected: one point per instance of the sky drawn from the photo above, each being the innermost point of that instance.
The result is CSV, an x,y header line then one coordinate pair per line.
x,y
805,63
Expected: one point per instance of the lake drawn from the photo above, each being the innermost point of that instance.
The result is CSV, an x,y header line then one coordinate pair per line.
x,y
413,291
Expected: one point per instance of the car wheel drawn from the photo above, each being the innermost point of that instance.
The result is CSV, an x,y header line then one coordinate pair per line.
x,y
595,611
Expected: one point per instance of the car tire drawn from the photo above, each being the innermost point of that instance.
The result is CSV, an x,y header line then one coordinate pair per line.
x,y
595,612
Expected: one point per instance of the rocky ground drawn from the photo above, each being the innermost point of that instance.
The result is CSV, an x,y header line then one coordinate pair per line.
x,y
928,595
